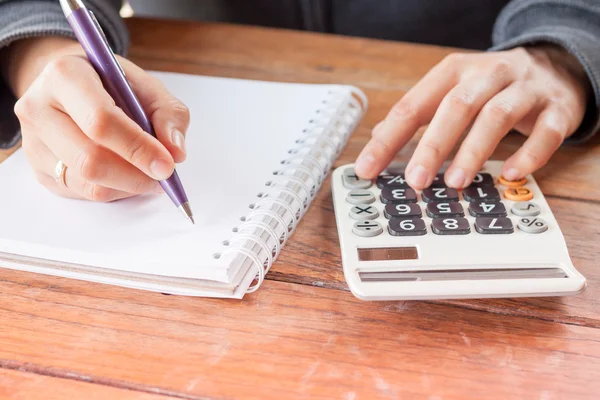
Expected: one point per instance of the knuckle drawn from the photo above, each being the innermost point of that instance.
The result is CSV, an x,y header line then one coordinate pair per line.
x,y
501,68
500,111
553,134
433,148
97,122
27,109
405,113
137,151
532,158
462,101
454,59
88,164
60,67
97,193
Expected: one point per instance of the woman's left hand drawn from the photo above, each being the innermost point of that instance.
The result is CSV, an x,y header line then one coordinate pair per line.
x,y
538,91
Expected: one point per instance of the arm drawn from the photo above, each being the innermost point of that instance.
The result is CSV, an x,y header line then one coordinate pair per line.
x,y
540,79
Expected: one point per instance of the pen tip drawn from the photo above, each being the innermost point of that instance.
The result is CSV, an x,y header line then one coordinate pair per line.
x,y
191,220
187,211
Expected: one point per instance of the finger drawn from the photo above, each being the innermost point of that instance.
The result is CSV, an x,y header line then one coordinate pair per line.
x,y
92,163
75,187
550,130
94,111
455,114
169,116
415,109
495,120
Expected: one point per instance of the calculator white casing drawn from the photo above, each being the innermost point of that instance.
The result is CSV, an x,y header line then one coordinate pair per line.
x,y
453,258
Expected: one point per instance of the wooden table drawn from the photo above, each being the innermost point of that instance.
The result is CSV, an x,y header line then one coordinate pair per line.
x,y
303,335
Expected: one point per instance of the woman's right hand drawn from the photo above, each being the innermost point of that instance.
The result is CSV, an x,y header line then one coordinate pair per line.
x,y
66,115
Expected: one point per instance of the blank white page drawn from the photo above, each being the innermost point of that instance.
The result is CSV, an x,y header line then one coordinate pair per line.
x,y
239,133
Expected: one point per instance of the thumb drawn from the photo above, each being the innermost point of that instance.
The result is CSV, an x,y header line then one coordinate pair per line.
x,y
168,115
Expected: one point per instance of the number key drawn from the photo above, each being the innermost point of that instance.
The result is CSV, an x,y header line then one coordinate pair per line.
x,y
402,210
398,195
407,227
481,193
482,179
450,226
444,209
493,225
487,209
439,194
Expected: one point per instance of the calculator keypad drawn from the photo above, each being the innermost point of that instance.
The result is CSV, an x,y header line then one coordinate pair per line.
x,y
439,207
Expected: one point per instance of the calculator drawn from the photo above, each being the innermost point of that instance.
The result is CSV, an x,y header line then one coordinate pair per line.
x,y
495,238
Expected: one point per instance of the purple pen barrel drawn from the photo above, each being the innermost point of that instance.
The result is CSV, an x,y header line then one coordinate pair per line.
x,y
89,34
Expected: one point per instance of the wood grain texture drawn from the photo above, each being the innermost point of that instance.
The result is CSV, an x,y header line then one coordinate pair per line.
x,y
292,341
303,335
19,385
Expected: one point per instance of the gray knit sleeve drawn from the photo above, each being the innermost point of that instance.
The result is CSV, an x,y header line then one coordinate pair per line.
x,y
572,24
21,19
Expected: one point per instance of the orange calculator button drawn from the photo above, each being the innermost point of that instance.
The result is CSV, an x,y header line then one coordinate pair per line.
x,y
511,184
518,194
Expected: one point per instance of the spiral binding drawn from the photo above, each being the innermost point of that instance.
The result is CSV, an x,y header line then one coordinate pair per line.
x,y
274,217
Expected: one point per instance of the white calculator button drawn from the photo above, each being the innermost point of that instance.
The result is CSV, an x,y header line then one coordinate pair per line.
x,y
364,212
526,209
352,181
367,228
360,196
532,225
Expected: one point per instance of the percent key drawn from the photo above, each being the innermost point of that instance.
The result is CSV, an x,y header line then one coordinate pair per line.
x,y
532,225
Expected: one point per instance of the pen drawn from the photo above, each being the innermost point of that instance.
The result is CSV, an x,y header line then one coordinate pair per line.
x,y
91,37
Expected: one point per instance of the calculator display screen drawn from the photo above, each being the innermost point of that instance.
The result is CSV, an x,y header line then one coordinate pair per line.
x,y
388,253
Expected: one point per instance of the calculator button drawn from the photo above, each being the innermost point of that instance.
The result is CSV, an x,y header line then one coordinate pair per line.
x,y
360,196
397,181
439,194
409,210
518,194
482,179
364,212
438,181
444,209
511,184
352,181
493,225
487,209
367,228
398,195
450,226
481,193
407,227
526,209
532,225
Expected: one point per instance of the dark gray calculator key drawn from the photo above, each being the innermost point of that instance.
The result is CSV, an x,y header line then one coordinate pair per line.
x,y
439,194
482,179
475,193
493,225
487,209
532,225
450,226
407,227
398,195
397,181
367,228
444,209
364,212
438,181
525,209
360,196
408,210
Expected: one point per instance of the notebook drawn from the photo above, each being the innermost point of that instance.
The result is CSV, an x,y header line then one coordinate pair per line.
x,y
258,153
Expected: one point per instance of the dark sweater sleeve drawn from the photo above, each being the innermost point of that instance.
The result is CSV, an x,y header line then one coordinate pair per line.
x,y
571,24
21,19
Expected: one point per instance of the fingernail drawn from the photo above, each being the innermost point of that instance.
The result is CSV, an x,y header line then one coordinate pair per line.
x,y
178,139
512,174
161,169
418,176
456,178
364,163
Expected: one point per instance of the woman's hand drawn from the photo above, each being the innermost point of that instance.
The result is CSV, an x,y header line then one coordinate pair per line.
x,y
541,92
66,115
